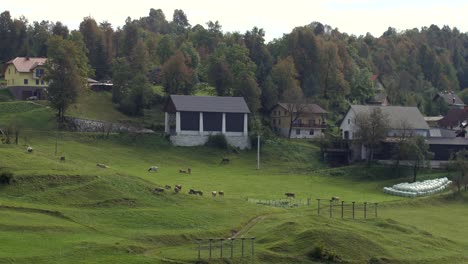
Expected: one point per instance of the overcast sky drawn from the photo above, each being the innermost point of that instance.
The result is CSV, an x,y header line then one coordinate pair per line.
x,y
275,17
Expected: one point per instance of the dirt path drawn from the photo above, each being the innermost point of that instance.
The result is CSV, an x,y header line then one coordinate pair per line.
x,y
246,228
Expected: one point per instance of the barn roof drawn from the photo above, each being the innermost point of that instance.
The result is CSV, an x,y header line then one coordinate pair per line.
x,y
218,104
396,115
26,64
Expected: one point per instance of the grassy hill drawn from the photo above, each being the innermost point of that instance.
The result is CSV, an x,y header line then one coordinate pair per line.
x,y
75,212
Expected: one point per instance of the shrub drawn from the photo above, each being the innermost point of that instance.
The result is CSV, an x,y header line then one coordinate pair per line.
x,y
217,141
319,252
6,178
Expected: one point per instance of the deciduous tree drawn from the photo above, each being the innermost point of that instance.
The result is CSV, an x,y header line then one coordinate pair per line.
x,y
66,72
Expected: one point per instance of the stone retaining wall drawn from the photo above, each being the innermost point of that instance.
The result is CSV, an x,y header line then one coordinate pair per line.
x,y
88,125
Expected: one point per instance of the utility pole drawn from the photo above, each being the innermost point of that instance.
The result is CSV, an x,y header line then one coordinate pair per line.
x,y
258,152
56,138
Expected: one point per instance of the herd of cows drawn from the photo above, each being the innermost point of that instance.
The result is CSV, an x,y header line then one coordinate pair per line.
x,y
178,188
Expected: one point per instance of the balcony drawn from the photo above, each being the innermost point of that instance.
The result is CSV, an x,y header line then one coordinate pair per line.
x,y
316,126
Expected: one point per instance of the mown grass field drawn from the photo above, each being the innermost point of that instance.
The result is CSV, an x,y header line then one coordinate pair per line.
x,y
76,212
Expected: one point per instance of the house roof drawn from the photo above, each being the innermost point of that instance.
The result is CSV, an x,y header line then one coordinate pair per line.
x,y
454,117
447,141
26,64
396,115
450,98
219,104
306,108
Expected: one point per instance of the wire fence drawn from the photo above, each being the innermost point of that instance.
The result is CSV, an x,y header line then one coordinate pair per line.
x,y
326,207
233,248
283,203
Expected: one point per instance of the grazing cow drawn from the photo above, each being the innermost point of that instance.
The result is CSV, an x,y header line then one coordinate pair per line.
x,y
182,171
29,149
176,190
221,193
167,187
199,193
335,199
153,169
158,190
189,170
192,191
213,193
62,158
178,186
225,160
290,195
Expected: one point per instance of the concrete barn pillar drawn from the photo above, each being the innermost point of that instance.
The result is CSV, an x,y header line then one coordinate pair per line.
x,y
166,123
201,123
177,122
224,124
246,124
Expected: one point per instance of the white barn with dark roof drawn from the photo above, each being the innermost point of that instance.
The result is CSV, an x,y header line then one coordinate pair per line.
x,y
190,120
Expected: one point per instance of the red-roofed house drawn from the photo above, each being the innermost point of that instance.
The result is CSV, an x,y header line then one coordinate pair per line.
x,y
25,77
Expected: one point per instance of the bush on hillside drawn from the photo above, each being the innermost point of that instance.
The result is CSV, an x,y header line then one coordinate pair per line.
x,y
6,178
217,141
319,252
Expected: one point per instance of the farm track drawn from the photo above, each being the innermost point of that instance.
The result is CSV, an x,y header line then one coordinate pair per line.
x,y
252,222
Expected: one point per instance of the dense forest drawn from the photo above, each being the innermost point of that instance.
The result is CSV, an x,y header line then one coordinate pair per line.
x,y
315,61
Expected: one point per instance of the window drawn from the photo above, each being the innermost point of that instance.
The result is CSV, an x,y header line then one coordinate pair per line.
x,y
311,132
39,72
42,82
26,81
349,121
298,131
274,121
285,113
279,121
9,70
37,82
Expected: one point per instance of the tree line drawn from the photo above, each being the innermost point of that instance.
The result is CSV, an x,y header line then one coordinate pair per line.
x,y
314,61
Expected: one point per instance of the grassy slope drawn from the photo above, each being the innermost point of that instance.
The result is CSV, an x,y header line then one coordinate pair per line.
x,y
75,212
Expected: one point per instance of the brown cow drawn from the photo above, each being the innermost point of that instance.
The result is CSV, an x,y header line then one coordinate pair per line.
x,y
290,195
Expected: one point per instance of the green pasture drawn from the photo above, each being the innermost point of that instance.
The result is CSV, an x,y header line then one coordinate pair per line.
x,y
73,211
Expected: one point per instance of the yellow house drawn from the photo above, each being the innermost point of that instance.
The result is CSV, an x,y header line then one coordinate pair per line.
x,y
25,78
305,120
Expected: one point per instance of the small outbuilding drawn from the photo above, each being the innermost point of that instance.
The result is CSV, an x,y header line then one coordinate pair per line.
x,y
190,120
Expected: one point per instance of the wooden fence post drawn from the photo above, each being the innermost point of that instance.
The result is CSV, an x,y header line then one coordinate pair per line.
x,y
199,248
232,247
211,240
353,209
331,208
253,248
365,210
342,209
221,251
243,246
318,207
376,210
